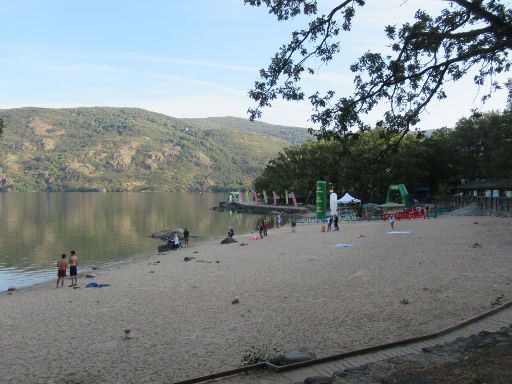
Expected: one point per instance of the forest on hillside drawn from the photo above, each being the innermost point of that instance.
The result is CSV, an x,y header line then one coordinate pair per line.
x,y
365,164
129,149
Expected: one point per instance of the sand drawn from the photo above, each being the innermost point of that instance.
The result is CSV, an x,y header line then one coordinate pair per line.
x,y
294,289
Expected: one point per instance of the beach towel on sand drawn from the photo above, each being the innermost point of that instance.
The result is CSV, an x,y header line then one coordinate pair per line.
x,y
341,245
96,285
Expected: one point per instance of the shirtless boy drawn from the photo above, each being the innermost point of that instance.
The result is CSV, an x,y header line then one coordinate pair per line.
x,y
73,268
62,265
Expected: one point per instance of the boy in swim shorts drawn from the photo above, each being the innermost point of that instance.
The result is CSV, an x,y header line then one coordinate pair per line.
x,y
62,265
73,268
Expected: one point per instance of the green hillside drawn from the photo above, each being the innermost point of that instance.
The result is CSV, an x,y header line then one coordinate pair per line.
x,y
129,149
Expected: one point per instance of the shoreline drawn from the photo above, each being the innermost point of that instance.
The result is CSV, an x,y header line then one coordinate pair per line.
x,y
294,289
106,265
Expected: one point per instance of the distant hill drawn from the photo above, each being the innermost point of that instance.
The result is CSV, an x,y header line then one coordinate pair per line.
x,y
130,149
293,135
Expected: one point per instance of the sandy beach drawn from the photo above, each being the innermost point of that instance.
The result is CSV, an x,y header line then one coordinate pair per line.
x,y
294,289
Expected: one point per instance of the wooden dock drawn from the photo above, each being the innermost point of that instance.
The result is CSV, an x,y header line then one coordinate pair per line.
x,y
257,207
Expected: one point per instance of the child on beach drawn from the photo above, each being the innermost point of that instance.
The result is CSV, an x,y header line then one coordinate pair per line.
x,y
278,220
260,230
62,266
392,221
177,243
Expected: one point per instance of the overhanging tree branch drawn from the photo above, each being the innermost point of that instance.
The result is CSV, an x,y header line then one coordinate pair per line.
x,y
469,34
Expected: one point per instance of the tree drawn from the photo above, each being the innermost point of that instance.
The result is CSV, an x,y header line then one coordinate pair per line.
x,y
1,127
443,162
357,168
468,35
508,84
297,168
484,146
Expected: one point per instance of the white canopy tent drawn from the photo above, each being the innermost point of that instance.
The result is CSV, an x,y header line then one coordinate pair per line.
x,y
348,199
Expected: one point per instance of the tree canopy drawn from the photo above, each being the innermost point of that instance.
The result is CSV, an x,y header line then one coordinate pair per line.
x,y
467,36
478,147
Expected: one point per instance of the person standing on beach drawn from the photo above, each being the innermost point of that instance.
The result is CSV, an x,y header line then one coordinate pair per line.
x,y
336,228
294,224
260,230
186,234
177,243
73,268
62,266
265,227
392,221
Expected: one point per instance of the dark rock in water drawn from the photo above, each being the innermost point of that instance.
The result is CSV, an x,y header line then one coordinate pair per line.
x,y
228,240
235,301
296,356
318,380
164,234
403,300
10,289
161,234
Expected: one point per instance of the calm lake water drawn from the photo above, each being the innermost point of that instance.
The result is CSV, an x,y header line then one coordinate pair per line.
x,y
103,228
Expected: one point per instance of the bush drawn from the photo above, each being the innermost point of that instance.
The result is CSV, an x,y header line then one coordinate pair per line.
x,y
258,354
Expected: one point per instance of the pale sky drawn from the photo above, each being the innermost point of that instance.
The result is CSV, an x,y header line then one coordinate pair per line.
x,y
184,58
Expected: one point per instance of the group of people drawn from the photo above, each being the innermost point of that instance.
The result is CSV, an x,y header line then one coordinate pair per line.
x,y
62,267
335,219
175,242
262,227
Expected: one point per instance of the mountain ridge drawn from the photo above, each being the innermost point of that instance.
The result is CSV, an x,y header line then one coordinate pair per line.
x,y
132,149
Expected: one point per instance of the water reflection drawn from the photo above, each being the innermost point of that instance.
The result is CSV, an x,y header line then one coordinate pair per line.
x,y
35,228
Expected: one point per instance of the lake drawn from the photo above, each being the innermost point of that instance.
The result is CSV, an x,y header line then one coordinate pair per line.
x,y
103,228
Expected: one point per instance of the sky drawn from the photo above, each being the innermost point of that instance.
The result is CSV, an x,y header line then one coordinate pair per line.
x,y
185,58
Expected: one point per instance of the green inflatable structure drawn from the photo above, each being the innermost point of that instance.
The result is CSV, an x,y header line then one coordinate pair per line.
x,y
321,199
404,195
